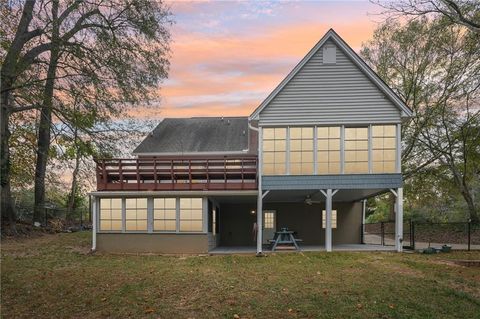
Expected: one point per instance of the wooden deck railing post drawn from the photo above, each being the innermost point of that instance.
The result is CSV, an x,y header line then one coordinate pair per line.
x,y
208,174
104,172
120,173
155,177
138,174
190,173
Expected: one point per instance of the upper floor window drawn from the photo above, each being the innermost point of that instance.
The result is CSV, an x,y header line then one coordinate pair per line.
x,y
328,150
384,146
301,150
356,150
274,151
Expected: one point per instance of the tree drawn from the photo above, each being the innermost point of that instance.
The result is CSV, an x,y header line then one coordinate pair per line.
x,y
439,77
107,55
462,12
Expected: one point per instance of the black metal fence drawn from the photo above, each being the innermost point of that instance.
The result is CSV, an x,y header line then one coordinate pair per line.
x,y
57,217
420,235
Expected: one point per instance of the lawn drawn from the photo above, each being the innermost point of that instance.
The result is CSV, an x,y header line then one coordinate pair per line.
x,y
55,276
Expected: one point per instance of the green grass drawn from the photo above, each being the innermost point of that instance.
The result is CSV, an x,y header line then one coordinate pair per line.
x,y
55,276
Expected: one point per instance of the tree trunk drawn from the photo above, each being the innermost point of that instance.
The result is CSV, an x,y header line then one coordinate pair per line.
x,y
73,188
43,142
8,75
7,205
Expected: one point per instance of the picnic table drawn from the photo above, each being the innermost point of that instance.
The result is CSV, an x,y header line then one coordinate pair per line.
x,y
284,237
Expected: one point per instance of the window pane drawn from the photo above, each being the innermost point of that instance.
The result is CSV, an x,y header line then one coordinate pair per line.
x,y
142,214
116,203
307,157
268,169
197,203
280,169
268,146
389,167
159,203
350,133
307,132
131,225
185,203
116,225
142,224
268,133
389,142
334,156
295,145
131,203
105,225
322,145
142,203
280,133
268,157
116,214
307,145
334,168
295,157
280,158
105,203
322,157
280,145
322,132
334,132
295,133
170,202
390,130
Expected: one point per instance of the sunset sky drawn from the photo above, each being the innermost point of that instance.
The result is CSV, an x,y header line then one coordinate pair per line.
x,y
227,56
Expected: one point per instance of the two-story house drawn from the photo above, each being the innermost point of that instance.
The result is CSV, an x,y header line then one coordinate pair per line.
x,y
327,138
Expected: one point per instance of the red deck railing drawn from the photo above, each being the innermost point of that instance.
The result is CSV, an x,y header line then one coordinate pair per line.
x,y
165,173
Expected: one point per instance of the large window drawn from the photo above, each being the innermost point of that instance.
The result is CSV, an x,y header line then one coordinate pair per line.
x,y
136,214
110,214
191,215
274,151
384,147
356,150
164,214
334,219
301,150
328,150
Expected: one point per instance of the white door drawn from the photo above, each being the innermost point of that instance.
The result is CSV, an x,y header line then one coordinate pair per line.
x,y
269,225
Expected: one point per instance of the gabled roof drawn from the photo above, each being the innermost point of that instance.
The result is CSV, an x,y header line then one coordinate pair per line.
x,y
331,34
174,136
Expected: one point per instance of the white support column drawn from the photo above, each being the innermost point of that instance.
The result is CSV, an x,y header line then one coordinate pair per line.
x,y
328,221
259,222
364,209
94,223
259,196
399,220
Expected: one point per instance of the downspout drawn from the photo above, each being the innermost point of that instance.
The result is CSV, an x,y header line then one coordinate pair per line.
x,y
94,223
260,193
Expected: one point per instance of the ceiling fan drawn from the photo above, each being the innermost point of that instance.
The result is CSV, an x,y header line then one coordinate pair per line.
x,y
309,201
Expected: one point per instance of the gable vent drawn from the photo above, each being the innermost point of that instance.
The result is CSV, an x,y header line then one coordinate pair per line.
x,y
329,54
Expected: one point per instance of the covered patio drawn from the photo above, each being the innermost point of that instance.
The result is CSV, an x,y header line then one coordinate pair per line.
x,y
224,250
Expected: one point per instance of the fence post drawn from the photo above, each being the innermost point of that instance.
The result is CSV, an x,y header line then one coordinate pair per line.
x,y
469,232
412,234
382,229
362,234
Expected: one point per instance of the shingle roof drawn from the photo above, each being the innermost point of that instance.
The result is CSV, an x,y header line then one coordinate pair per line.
x,y
200,134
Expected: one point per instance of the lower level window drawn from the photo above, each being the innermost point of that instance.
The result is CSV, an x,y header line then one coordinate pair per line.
x,y
110,214
334,219
164,214
136,214
191,215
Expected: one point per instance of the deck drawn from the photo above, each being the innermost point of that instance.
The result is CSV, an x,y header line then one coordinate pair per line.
x,y
184,173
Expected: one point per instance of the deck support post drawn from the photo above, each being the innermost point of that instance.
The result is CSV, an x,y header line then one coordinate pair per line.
x,y
328,217
259,222
94,223
399,220
328,221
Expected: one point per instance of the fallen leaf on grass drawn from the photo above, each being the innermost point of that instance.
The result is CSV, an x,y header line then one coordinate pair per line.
x,y
149,310
359,306
391,306
103,299
236,316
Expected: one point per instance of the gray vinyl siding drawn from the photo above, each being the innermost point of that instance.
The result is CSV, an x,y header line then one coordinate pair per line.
x,y
329,94
350,181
